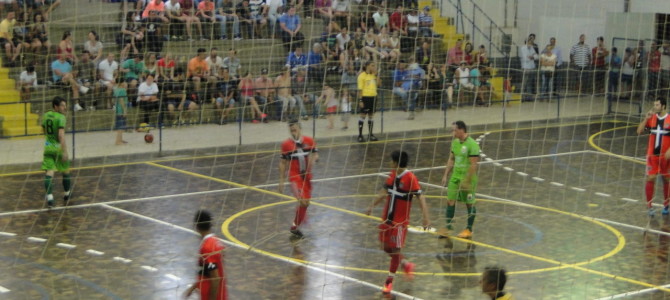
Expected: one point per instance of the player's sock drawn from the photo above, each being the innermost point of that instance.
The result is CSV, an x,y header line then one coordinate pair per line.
x,y
67,183
389,279
395,263
47,184
472,213
371,124
451,210
361,121
666,193
300,213
649,191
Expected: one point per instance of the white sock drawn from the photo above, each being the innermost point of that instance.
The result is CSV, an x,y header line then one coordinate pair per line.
x,y
67,193
50,197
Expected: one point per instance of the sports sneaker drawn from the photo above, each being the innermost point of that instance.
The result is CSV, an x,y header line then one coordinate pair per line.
x,y
373,138
224,37
388,287
78,107
465,234
66,197
297,233
408,268
665,211
264,116
411,116
83,89
651,212
361,139
237,38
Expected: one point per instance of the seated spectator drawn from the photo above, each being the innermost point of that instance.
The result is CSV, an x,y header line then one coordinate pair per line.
x,y
84,72
398,21
147,98
11,44
93,46
283,85
426,23
423,55
39,34
46,6
207,13
301,93
462,79
150,66
480,85
166,68
174,96
315,67
246,88
468,54
132,68
226,9
107,73
264,90
412,83
275,8
482,58
225,100
413,23
233,63
341,10
176,13
27,82
215,65
366,21
290,29
381,18
323,10
62,75
398,77
132,35
66,47
244,15
296,59
343,42
154,11
455,54
372,45
389,48
258,12
197,70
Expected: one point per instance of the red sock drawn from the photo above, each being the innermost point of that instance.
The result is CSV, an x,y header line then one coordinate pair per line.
x,y
395,262
666,193
300,214
649,191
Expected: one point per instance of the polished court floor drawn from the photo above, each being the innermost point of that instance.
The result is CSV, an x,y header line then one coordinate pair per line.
x,y
560,206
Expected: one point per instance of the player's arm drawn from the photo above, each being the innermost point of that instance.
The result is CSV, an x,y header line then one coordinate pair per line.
x,y
424,211
643,124
283,163
380,197
313,158
474,160
449,167
63,145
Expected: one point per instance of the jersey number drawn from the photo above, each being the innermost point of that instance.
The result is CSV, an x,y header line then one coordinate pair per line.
x,y
50,126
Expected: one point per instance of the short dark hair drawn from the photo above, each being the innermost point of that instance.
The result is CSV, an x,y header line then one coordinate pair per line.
x,y
460,125
57,100
85,52
600,38
30,68
495,275
201,50
662,101
614,49
400,157
203,220
294,122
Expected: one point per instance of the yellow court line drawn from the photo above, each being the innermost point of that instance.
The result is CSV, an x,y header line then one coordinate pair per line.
x,y
274,150
593,144
561,265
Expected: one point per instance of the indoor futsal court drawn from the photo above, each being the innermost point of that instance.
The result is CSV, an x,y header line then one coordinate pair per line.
x,y
560,206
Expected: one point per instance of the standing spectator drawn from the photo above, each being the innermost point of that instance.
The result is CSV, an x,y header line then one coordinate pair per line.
x,y
284,94
175,12
302,96
529,77
107,73
258,12
455,54
120,111
426,23
166,68
207,13
345,108
398,21
197,70
412,83
232,62
615,70
627,72
329,100
133,68
349,79
531,40
290,29
654,64
599,54
39,34
559,74
296,59
147,98
27,82
246,88
547,69
85,73
580,59
94,46
641,65
11,44
62,75
493,283
381,18
342,12
398,78
66,47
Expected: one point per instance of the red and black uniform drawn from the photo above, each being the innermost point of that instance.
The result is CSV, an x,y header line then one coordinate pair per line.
x,y
659,143
402,189
211,265
297,152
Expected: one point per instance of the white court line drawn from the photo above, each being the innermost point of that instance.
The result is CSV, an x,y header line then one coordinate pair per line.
x,y
173,277
2,233
602,194
508,169
557,183
95,252
629,199
149,268
538,179
122,259
308,266
578,189
633,293
36,239
66,246
618,155
4,290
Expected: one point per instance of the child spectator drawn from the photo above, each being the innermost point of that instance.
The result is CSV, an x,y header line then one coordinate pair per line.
x,y
120,108
328,98
27,81
345,108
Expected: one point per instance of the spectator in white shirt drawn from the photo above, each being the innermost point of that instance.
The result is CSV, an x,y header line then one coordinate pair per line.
x,y
28,81
528,57
147,96
381,18
215,64
547,68
107,72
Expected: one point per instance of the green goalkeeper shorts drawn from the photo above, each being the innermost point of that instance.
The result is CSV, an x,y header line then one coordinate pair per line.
x,y
52,162
454,191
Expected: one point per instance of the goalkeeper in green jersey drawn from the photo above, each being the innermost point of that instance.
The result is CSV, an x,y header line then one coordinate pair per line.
x,y
55,149
462,161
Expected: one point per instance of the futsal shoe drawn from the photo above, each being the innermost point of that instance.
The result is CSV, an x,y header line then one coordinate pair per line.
x,y
444,233
665,211
297,233
361,139
66,197
388,287
372,138
651,212
465,234
408,268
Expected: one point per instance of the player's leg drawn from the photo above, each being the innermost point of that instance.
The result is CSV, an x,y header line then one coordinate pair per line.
x,y
452,196
64,168
301,188
371,123
49,166
652,171
393,241
666,184
468,197
361,121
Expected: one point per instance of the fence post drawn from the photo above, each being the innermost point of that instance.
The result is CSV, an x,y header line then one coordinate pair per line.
x,y
160,128
74,130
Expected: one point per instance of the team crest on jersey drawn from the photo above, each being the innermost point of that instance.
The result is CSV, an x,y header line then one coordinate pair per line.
x,y
464,149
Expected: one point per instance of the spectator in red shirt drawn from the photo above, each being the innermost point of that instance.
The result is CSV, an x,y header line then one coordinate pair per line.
x,y
654,68
455,54
599,53
398,21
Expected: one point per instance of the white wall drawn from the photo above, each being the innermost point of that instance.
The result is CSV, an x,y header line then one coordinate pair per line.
x,y
650,6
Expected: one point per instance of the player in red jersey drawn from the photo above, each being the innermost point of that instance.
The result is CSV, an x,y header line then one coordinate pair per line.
x,y
298,155
211,278
399,190
658,156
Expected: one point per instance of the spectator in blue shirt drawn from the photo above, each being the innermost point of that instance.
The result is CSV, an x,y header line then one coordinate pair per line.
x,y
412,82
615,69
290,29
62,74
398,76
296,59
314,62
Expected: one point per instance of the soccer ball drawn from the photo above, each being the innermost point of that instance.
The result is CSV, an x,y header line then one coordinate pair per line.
x,y
149,138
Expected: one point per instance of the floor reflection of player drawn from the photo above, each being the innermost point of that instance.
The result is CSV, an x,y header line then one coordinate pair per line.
x,y
657,245
461,261
297,277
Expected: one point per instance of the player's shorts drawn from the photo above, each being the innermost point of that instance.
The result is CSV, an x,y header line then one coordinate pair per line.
x,y
331,110
368,105
52,161
120,122
301,186
454,192
392,236
204,286
657,165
